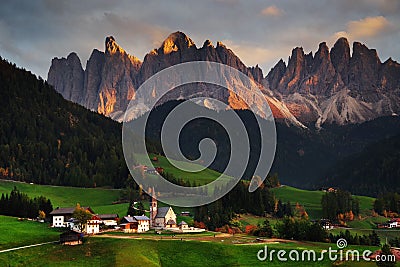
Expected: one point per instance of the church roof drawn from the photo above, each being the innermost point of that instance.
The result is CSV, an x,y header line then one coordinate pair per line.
x,y
170,221
162,212
182,223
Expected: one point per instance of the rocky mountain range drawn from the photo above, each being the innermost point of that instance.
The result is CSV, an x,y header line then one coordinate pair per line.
x,y
334,87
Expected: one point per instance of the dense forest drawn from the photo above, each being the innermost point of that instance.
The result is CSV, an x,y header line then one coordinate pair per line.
x,y
45,139
339,206
306,158
373,171
238,201
19,204
387,203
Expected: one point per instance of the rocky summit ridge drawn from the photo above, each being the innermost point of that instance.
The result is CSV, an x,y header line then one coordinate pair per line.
x,y
333,86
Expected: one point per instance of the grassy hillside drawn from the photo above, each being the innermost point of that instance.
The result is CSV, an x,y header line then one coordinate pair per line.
x,y
203,177
129,252
100,200
311,200
16,233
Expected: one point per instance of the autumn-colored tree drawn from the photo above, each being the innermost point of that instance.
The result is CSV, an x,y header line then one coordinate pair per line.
x,y
82,216
199,225
349,216
250,229
41,215
300,212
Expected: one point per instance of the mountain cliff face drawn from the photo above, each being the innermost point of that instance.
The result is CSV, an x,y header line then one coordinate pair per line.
x,y
334,87
111,78
331,87
67,75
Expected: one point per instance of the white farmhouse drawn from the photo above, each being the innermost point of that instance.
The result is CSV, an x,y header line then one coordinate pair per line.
x,y
60,216
92,226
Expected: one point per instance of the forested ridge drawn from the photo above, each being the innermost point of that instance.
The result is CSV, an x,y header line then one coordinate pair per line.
x,y
46,139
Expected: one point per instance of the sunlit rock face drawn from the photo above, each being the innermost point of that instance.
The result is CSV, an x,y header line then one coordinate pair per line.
x,y
112,77
336,87
117,86
331,86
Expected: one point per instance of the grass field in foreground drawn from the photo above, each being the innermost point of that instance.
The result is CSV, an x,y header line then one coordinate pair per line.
x,y
311,200
100,200
98,251
14,233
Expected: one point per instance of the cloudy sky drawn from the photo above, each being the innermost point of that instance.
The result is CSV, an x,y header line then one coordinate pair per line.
x,y
260,32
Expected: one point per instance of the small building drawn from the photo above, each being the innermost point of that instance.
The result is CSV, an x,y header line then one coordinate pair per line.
x,y
60,216
143,223
183,226
71,238
109,219
135,224
73,224
394,223
185,213
326,224
128,224
92,226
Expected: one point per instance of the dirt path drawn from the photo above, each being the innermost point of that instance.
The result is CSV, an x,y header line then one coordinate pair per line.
x,y
29,246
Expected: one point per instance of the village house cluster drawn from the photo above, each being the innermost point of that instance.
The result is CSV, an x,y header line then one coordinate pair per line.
x,y
393,223
161,218
63,217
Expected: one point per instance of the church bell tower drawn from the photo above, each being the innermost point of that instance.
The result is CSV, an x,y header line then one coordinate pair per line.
x,y
153,208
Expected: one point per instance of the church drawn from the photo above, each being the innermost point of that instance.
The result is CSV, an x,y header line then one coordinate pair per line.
x,y
161,217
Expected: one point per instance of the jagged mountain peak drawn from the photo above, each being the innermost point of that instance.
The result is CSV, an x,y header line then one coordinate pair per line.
x,y
323,49
73,56
220,44
390,61
361,50
336,87
297,53
176,41
111,46
342,42
207,43
309,86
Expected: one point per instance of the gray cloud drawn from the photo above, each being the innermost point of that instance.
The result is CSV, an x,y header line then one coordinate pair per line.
x,y
33,32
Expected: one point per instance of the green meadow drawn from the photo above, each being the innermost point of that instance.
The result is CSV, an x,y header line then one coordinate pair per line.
x,y
16,233
99,199
100,251
201,178
311,200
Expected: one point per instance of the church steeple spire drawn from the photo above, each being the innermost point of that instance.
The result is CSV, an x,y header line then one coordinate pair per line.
x,y
153,207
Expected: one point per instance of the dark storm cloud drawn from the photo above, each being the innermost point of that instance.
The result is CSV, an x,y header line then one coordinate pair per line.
x,y
33,32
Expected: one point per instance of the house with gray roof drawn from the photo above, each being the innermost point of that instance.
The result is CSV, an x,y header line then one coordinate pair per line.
x,y
135,224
